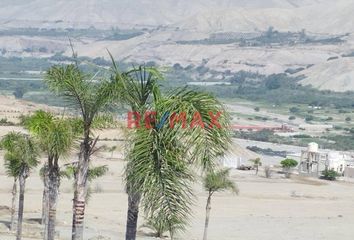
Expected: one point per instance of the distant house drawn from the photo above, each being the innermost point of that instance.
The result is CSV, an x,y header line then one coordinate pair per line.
x,y
313,160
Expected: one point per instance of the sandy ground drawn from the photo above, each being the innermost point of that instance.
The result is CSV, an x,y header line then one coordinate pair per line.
x,y
11,108
273,209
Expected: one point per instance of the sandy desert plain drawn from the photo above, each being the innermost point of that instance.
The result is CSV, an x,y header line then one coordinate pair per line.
x,y
267,209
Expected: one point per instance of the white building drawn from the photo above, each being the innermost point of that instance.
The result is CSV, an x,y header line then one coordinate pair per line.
x,y
313,160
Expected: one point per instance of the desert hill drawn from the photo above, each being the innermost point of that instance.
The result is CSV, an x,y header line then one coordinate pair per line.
x,y
122,13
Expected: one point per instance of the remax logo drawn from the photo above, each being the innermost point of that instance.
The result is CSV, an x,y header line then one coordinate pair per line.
x,y
150,121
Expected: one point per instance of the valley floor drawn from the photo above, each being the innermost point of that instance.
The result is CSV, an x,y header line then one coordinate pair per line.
x,y
268,209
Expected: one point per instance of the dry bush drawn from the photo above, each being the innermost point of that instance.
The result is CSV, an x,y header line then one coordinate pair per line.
x,y
268,172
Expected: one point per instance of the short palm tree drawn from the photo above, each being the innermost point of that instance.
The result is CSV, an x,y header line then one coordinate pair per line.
x,y
56,137
216,182
11,171
21,156
90,96
256,163
112,149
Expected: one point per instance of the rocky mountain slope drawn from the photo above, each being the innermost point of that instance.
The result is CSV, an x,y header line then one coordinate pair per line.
x,y
223,35
122,13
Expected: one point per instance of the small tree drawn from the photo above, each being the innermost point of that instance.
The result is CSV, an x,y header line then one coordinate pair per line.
x,y
19,92
294,110
256,163
288,164
21,156
112,149
216,182
309,118
11,168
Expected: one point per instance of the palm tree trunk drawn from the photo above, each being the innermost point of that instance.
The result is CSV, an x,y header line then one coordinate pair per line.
x,y
78,213
54,181
44,205
207,215
13,204
257,170
45,202
132,215
79,201
45,196
22,180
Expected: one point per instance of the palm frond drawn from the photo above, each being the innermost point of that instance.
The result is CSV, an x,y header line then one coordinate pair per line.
x,y
206,143
21,153
156,169
97,172
55,135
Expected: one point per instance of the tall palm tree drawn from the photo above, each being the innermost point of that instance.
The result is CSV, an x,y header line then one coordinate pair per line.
x,y
216,182
90,96
21,156
178,147
137,88
159,162
56,137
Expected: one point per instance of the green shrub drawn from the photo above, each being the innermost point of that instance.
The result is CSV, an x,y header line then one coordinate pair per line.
x,y
301,136
310,111
294,109
330,175
288,164
5,122
329,119
342,111
309,118
19,92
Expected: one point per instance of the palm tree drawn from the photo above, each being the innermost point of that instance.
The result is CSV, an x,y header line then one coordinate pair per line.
x,y
136,88
112,149
11,172
179,147
256,163
56,137
21,156
159,162
90,96
216,182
